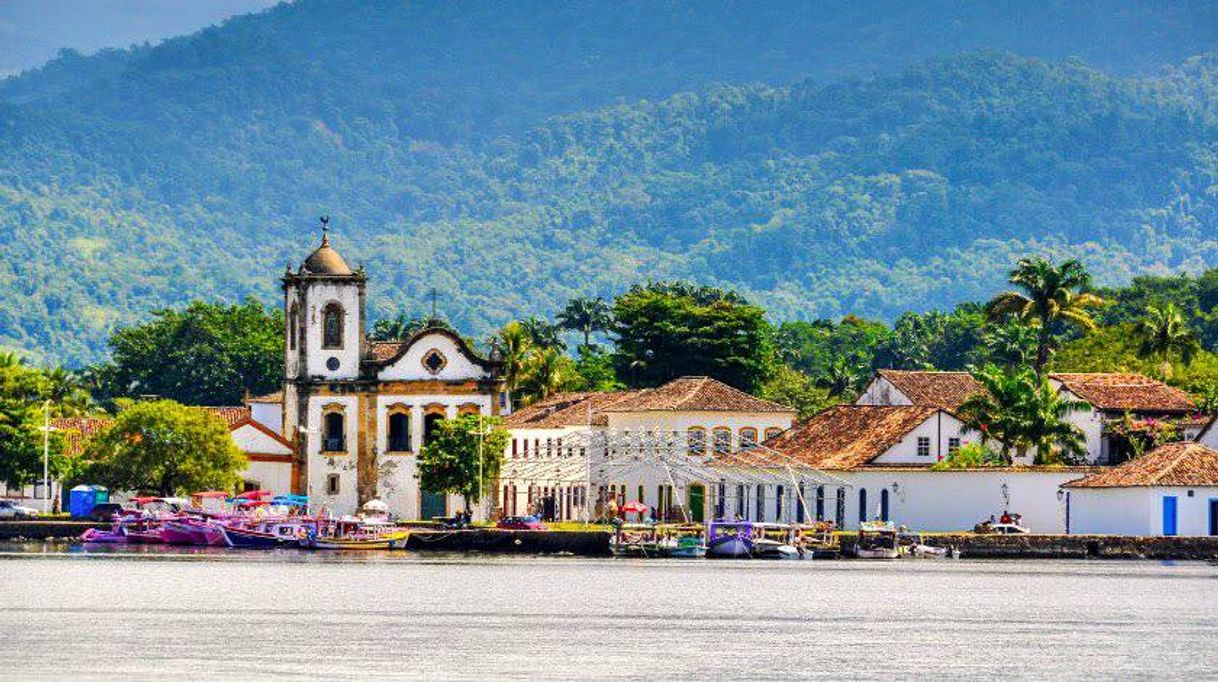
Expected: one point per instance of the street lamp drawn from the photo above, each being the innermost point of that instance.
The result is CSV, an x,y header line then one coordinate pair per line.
x,y
481,433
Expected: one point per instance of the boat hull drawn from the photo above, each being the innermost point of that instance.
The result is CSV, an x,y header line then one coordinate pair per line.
x,y
390,541
730,548
94,535
175,533
252,539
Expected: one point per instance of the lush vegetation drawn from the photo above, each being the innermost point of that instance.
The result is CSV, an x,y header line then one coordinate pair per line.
x,y
166,448
592,152
463,457
29,396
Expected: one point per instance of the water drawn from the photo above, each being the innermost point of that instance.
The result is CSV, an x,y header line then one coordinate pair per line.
x,y
168,613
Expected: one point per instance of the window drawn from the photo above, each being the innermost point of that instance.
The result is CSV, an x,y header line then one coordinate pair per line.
x,y
820,503
740,501
332,326
525,442
779,493
332,484
696,439
334,435
760,502
862,505
799,507
839,516
293,322
399,432
549,447
720,498
953,444
884,505
923,446
642,500
515,448
722,439
748,438
771,432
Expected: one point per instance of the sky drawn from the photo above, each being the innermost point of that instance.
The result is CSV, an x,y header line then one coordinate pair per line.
x,y
33,31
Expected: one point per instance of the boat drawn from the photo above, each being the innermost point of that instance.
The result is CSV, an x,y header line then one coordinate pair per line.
x,y
254,539
729,540
97,535
877,540
776,541
182,532
144,532
680,541
353,533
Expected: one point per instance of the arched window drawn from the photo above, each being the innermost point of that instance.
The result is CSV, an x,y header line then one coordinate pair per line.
x,y
399,432
748,438
293,323
839,516
884,505
862,505
761,502
334,434
332,326
721,439
820,503
771,432
696,440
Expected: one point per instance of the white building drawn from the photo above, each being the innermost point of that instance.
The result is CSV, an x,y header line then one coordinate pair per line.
x,y
358,412
656,443
1172,490
883,457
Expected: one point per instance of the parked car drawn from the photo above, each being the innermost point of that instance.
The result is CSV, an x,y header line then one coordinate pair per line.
x,y
521,523
105,511
12,510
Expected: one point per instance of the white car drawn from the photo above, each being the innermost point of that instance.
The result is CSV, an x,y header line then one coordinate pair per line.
x,y
12,510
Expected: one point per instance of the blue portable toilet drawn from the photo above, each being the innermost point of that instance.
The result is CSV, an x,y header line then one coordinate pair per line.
x,y
84,497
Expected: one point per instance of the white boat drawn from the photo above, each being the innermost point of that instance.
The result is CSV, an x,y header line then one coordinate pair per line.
x,y
877,540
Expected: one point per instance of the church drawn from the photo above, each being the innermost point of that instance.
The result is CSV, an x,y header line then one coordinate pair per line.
x,y
357,412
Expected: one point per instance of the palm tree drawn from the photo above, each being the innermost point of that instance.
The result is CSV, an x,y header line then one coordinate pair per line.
x,y
586,315
1051,295
516,345
10,359
547,373
68,391
1164,333
844,374
1022,411
542,333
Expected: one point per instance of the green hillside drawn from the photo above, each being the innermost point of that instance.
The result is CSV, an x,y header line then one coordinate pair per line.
x,y
514,154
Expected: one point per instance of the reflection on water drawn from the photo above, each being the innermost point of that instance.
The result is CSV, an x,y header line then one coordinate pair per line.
x,y
153,611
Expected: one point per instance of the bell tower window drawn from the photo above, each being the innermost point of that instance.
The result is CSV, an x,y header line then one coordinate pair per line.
x,y
293,322
332,326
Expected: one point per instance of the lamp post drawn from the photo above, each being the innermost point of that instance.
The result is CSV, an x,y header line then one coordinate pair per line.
x,y
480,433
46,456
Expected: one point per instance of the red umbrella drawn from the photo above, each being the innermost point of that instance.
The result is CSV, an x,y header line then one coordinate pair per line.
x,y
254,494
634,508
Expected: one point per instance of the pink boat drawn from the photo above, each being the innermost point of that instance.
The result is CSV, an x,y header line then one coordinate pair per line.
x,y
183,532
96,535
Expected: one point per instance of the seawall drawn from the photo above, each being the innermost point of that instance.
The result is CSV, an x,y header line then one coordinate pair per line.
x,y
973,546
579,543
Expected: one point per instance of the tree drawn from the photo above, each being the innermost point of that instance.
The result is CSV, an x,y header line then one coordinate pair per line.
x,y
164,447
68,391
788,386
450,462
23,391
547,372
670,329
1163,333
1021,411
1051,296
205,354
542,334
516,345
844,375
586,315
594,370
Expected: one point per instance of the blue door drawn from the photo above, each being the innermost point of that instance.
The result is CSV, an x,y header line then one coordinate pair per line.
x,y
1169,514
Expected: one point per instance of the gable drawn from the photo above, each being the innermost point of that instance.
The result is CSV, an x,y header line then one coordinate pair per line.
x,y
454,361
882,392
252,440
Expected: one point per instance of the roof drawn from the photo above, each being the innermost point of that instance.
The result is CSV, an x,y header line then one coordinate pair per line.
x,y
325,261
263,428
231,415
276,397
381,351
849,436
1174,464
1125,392
695,394
388,352
566,409
78,430
936,389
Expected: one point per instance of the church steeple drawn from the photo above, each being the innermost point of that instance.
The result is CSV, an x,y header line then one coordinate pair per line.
x,y
325,260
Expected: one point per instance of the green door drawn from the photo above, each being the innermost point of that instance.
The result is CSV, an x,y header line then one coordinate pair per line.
x,y
433,505
697,502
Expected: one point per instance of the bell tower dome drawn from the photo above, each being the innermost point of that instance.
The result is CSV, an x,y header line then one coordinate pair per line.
x,y
324,314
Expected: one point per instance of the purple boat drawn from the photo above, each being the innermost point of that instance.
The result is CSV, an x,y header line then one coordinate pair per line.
x,y
182,532
96,535
253,539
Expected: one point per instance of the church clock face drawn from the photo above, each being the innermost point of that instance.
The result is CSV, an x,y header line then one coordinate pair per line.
x,y
332,364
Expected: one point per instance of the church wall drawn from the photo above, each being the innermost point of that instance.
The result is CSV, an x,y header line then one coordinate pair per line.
x,y
317,296
457,366
322,465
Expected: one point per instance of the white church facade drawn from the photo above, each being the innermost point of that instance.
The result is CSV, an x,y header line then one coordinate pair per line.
x,y
357,411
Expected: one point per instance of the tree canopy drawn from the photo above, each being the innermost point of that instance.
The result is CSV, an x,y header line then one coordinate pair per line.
x,y
450,462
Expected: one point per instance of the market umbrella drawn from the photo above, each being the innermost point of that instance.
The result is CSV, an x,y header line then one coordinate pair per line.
x,y
376,507
634,508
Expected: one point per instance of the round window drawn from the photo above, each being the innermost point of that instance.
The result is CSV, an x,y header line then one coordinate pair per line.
x,y
332,364
434,361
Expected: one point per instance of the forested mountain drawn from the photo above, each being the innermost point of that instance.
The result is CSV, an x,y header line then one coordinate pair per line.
x,y
820,157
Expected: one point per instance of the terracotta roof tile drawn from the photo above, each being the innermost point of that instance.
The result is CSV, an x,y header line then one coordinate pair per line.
x,y
695,394
936,389
1125,392
1175,464
849,436
78,430
231,415
384,350
566,409
276,397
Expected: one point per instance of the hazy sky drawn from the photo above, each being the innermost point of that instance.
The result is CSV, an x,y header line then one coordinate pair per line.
x,y
32,31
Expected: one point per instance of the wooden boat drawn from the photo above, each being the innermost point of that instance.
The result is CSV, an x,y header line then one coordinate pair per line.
x,y
729,540
181,532
877,540
386,541
680,541
96,535
776,541
353,533
254,539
